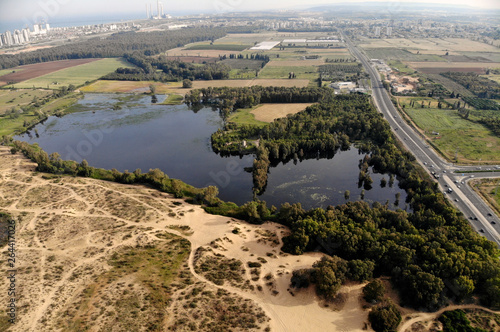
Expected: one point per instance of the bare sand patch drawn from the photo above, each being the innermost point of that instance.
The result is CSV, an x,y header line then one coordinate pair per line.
x,y
270,112
76,262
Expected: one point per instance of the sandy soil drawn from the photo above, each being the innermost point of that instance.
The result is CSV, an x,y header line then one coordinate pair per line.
x,y
68,227
270,112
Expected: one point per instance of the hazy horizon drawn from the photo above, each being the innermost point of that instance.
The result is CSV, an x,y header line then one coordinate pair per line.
x,y
17,14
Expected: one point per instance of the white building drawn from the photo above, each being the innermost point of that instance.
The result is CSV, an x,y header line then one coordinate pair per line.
x,y
389,31
343,85
8,38
26,34
377,31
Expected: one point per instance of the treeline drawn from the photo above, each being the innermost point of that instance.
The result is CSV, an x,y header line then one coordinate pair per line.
x,y
171,70
480,86
155,177
340,72
482,104
116,45
228,99
253,56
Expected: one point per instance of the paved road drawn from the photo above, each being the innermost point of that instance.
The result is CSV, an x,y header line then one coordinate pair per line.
x,y
479,214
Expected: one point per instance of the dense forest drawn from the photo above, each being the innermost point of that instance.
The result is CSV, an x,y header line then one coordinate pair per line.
x,y
228,99
480,86
432,254
164,70
116,45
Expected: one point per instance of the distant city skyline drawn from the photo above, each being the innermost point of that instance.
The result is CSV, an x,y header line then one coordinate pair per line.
x,y
22,13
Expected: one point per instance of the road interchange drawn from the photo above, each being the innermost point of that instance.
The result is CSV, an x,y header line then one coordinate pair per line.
x,y
450,178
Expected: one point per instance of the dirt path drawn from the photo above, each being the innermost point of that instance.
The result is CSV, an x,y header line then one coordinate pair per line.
x,y
424,317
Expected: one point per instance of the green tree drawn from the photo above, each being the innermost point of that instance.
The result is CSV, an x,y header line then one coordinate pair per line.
x,y
187,84
385,317
374,291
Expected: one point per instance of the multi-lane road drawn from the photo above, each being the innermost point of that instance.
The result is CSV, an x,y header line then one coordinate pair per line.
x,y
453,184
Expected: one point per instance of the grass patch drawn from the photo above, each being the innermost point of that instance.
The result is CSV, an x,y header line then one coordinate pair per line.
x,y
301,72
473,141
489,189
173,99
219,47
153,269
389,53
105,86
9,71
77,75
17,98
245,117
10,126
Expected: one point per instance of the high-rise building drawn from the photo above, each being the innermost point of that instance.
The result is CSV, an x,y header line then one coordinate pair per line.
x,y
389,31
26,34
47,27
8,38
377,31
1,40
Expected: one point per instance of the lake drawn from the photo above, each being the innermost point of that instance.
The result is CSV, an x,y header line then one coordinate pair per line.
x,y
127,132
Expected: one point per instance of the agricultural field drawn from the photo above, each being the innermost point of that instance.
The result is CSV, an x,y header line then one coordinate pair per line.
x,y
182,52
473,141
105,86
437,46
270,112
302,72
243,64
194,59
440,67
489,189
295,63
400,54
77,75
27,72
215,46
18,98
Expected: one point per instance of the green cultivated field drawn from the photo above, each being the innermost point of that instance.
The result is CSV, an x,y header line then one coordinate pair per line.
x,y
77,75
8,71
388,53
221,47
304,72
473,141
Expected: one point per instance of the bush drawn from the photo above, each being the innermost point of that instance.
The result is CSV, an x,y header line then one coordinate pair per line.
x,y
374,291
301,278
187,84
385,317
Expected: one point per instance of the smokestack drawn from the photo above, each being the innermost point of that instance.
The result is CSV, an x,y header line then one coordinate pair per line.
x,y
147,11
162,14
158,5
150,11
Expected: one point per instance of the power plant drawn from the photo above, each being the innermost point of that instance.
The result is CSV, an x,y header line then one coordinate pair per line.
x,y
159,11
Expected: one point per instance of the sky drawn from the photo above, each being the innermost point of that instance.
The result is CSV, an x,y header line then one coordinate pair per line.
x,y
26,12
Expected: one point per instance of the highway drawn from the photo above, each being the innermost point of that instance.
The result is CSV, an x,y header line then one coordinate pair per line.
x,y
454,185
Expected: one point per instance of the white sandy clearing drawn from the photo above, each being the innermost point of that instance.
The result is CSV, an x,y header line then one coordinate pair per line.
x,y
270,112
